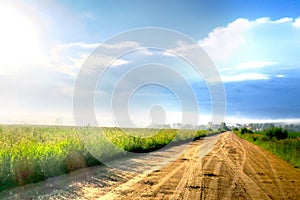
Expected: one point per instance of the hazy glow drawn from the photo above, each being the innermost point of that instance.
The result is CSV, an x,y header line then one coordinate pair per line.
x,y
18,39
43,45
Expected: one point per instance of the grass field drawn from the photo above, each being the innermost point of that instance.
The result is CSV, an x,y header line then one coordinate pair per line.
x,y
288,149
34,153
294,134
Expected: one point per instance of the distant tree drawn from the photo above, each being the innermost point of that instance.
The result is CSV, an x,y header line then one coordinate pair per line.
x,y
276,132
222,127
283,135
245,130
235,129
251,125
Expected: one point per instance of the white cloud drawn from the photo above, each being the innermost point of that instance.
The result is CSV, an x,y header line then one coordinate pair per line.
x,y
169,54
244,77
222,42
254,65
67,65
262,39
296,23
119,62
122,45
262,20
284,20
69,58
78,44
70,66
146,52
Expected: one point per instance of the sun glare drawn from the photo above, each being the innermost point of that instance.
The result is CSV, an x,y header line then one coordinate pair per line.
x,y
18,39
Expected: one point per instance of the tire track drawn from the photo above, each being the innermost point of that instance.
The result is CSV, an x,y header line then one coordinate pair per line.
x,y
232,169
165,184
274,174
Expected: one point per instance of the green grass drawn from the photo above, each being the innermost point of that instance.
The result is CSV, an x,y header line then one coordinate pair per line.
x,y
287,149
34,153
294,134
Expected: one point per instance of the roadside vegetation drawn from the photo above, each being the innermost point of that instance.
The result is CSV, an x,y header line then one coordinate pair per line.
x,y
276,140
34,153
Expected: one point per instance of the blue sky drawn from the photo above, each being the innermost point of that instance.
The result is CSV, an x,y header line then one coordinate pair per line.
x,y
254,44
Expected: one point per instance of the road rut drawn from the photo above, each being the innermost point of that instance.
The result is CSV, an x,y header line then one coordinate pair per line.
x,y
219,167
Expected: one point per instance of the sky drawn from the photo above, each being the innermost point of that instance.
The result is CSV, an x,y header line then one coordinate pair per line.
x,y
255,46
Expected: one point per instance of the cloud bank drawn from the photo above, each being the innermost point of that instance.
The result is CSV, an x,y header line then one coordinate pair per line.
x,y
250,44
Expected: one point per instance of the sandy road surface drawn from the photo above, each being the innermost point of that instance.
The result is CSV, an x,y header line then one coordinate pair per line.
x,y
233,169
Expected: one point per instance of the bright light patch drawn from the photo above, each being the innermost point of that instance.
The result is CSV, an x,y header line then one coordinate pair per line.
x,y
18,39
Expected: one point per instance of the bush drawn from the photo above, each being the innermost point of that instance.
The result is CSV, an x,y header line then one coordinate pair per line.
x,y
276,132
245,130
235,129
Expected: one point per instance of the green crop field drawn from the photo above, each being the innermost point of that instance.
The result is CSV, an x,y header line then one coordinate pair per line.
x,y
34,153
294,134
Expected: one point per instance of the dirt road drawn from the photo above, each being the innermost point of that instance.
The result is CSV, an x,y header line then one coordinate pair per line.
x,y
233,169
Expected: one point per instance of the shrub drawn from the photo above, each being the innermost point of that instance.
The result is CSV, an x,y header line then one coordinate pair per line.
x,y
276,132
245,130
235,129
